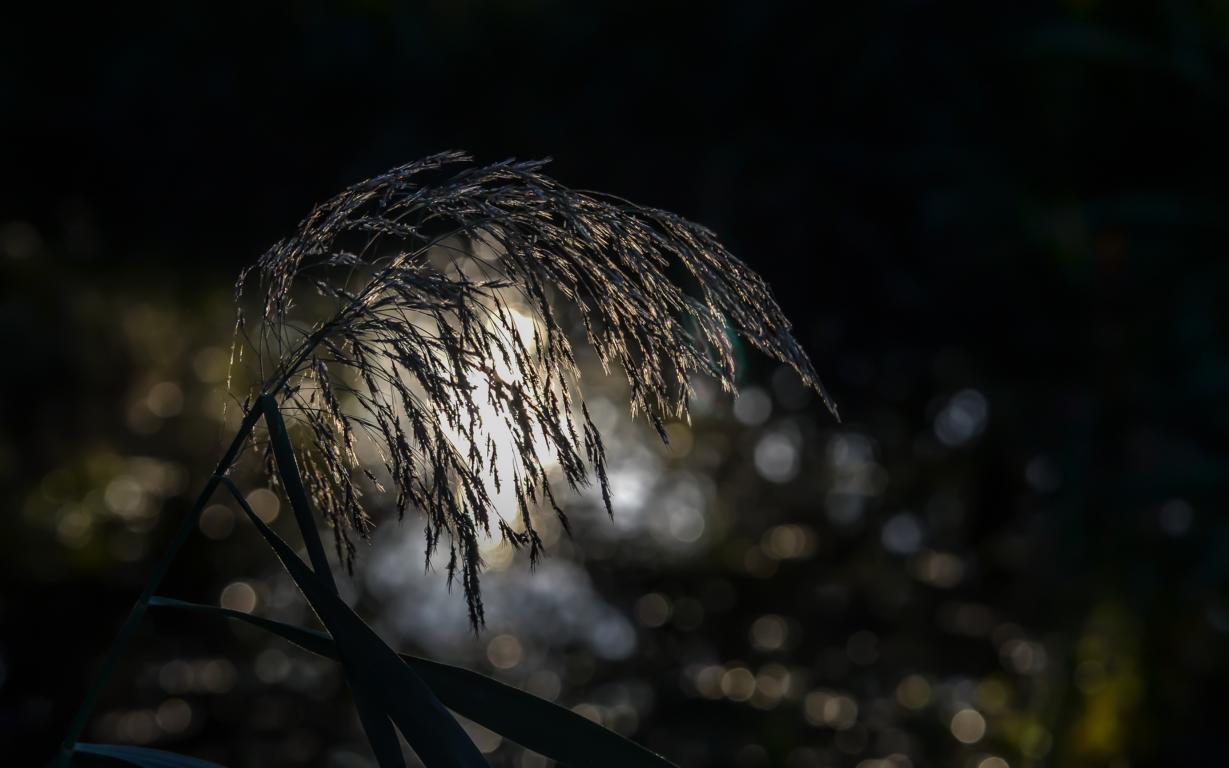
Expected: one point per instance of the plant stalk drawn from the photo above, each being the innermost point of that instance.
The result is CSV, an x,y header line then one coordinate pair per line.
x,y
292,482
129,627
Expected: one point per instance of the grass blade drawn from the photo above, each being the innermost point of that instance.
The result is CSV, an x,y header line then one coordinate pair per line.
x,y
375,722
534,723
379,730
307,639
376,672
129,627
288,468
142,756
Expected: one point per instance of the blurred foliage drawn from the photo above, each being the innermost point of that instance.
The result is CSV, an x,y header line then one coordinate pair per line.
x,y
999,231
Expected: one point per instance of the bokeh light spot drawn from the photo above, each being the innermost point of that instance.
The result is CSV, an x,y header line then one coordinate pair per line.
x,y
902,534
217,521
653,609
504,651
238,596
962,418
752,407
173,716
777,457
265,504
968,726
769,633
913,692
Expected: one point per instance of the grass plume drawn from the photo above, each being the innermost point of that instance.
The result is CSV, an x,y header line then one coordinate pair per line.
x,y
432,312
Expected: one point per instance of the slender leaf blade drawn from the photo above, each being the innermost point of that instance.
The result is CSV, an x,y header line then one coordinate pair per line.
x,y
379,730
534,723
143,756
288,468
375,668
307,639
375,722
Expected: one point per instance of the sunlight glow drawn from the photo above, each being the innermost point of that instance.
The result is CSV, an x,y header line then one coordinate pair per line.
x,y
490,425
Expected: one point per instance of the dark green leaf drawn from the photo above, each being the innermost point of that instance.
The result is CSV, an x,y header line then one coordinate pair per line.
x,y
288,468
146,758
534,723
375,722
308,639
374,670
379,730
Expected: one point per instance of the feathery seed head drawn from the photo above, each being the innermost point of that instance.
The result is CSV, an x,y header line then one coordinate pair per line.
x,y
422,317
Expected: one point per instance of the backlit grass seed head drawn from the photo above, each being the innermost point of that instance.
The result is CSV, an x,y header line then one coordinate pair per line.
x,y
427,311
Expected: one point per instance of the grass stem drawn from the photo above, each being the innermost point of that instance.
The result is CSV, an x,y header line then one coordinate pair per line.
x,y
129,628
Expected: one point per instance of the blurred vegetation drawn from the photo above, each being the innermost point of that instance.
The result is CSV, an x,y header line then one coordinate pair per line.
x,y
998,230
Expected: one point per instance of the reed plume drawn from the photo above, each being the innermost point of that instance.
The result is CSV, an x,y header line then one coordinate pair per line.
x,y
431,312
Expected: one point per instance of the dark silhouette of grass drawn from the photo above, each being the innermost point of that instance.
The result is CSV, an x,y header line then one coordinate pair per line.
x,y
428,317
437,305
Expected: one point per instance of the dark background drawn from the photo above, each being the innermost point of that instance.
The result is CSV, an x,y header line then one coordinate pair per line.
x,y
1023,201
